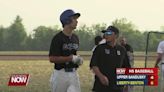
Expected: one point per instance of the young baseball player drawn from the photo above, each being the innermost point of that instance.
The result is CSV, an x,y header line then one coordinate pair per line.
x,y
63,53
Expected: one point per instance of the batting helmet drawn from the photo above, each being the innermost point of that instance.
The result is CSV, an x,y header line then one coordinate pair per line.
x,y
65,17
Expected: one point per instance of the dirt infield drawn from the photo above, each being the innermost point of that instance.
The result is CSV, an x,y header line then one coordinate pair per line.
x,y
45,57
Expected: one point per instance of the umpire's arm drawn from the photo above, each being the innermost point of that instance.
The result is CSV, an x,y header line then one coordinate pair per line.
x,y
95,67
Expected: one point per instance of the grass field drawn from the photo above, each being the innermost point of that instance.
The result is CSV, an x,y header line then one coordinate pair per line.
x,y
40,72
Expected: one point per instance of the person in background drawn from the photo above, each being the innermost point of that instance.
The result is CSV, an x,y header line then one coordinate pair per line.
x,y
103,40
97,41
129,50
160,60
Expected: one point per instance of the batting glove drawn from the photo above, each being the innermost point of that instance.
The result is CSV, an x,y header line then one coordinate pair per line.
x,y
76,59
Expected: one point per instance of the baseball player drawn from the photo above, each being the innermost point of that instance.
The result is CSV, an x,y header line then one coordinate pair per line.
x,y
129,50
160,57
97,41
105,59
63,53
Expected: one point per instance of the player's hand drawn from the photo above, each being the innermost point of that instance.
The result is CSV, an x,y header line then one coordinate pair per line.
x,y
104,80
77,59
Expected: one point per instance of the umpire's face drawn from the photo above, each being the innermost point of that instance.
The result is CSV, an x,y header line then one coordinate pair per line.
x,y
110,36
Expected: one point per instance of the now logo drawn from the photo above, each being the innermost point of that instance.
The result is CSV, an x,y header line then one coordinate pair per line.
x,y
18,80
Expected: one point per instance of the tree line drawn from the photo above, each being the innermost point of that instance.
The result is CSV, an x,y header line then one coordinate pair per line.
x,y
15,38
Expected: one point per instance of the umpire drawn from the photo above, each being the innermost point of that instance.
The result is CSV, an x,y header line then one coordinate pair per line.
x,y
105,59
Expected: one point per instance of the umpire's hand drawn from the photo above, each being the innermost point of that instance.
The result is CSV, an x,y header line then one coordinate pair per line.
x,y
104,80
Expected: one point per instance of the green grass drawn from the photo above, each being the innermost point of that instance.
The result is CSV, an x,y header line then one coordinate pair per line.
x,y
40,72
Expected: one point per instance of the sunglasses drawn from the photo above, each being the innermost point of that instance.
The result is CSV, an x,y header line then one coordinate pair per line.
x,y
108,33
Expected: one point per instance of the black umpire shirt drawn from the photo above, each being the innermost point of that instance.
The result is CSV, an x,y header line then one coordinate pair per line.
x,y
107,59
63,45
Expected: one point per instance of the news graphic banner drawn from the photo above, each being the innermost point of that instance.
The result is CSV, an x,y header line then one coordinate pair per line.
x,y
18,80
137,76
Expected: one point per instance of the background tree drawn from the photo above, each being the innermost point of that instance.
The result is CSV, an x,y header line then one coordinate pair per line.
x,y
1,37
154,40
41,38
128,30
97,28
15,35
87,34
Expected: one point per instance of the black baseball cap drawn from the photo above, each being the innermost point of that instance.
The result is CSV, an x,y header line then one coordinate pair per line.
x,y
111,29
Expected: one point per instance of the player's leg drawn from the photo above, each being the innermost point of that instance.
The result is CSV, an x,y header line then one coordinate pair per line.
x,y
59,82
74,82
52,81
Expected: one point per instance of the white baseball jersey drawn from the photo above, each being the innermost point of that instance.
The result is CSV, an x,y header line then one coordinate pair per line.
x,y
160,49
102,41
